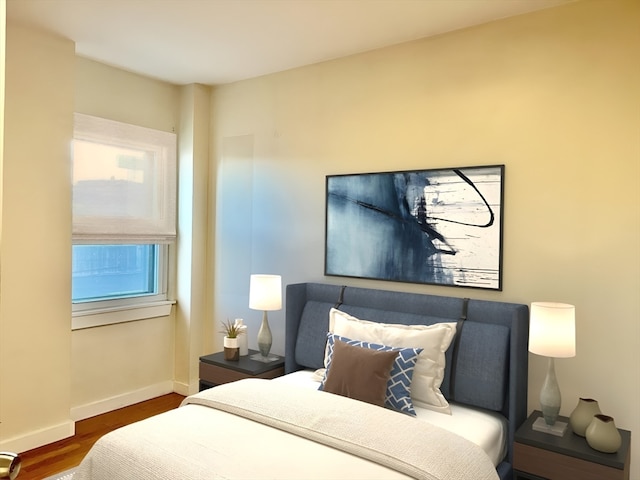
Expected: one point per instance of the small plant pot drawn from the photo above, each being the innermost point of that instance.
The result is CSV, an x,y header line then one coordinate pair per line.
x,y
231,349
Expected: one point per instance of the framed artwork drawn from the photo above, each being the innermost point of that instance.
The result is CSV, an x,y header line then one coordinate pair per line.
x,y
440,226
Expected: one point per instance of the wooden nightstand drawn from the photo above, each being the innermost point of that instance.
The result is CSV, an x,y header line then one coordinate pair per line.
x,y
215,370
539,456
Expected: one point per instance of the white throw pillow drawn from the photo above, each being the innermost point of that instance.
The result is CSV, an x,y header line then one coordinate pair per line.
x,y
433,339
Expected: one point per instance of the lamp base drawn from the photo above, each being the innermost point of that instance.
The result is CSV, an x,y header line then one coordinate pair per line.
x,y
261,358
556,429
9,465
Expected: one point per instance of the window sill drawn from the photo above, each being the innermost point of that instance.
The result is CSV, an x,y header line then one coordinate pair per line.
x,y
128,313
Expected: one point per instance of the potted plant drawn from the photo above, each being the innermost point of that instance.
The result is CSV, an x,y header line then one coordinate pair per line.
x,y
231,346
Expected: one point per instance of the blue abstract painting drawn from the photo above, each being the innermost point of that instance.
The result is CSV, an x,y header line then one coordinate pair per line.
x,y
440,226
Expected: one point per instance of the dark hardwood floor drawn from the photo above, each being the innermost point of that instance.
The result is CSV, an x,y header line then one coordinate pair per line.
x,y
57,457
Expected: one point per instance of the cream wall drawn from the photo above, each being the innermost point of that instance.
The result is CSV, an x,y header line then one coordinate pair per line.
x,y
114,365
120,364
88,371
193,274
116,94
35,312
3,38
553,95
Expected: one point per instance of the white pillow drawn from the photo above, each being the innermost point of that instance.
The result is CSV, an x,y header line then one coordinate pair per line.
x,y
433,339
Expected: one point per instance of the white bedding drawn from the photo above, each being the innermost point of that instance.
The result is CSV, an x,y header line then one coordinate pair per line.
x,y
197,442
197,448
486,429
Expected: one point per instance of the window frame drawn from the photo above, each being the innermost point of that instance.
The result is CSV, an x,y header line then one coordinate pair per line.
x,y
117,310
93,313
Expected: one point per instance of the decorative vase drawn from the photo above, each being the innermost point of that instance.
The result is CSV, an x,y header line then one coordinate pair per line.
x,y
264,336
602,434
583,414
231,349
243,340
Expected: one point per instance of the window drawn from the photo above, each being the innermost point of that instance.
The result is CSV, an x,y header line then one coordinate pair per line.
x,y
105,272
124,197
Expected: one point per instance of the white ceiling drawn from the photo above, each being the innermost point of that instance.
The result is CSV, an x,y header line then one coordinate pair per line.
x,y
221,41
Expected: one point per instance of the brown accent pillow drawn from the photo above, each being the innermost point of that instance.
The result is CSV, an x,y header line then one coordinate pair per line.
x,y
359,373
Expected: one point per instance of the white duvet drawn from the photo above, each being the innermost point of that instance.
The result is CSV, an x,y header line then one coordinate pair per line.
x,y
486,429
199,442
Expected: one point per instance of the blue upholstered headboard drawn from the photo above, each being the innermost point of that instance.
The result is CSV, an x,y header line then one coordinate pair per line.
x,y
491,357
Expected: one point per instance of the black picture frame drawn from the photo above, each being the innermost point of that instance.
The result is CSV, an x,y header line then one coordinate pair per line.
x,y
438,226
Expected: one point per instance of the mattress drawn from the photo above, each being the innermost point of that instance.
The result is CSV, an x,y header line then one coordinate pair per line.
x,y
486,429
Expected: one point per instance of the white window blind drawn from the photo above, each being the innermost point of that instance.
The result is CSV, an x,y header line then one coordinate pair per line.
x,y
124,183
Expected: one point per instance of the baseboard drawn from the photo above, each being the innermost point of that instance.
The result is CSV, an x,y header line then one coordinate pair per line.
x,y
66,429
181,388
184,389
124,400
39,437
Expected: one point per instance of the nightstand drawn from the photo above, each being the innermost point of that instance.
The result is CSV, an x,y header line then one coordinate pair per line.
x,y
539,456
215,370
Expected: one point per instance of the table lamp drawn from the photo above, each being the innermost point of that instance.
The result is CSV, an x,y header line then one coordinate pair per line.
x,y
552,334
265,293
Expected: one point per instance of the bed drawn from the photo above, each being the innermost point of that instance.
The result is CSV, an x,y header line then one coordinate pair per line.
x,y
449,411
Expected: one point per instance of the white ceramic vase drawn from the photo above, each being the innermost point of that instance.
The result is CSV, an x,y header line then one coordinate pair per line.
x,y
602,434
243,340
583,414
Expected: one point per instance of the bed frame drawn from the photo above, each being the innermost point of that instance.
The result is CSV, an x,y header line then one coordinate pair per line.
x,y
487,363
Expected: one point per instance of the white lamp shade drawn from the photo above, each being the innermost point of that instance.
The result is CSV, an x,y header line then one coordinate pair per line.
x,y
265,292
552,329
